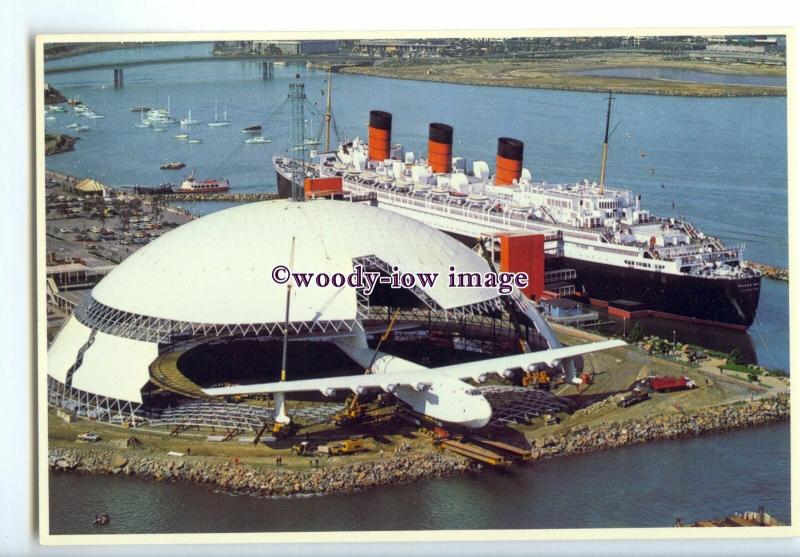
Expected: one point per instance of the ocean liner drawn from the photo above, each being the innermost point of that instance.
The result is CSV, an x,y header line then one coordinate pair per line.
x,y
621,254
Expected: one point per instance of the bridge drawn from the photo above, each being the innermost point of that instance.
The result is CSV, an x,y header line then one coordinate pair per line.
x,y
318,61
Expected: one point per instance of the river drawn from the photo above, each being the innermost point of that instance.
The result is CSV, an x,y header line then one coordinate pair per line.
x,y
722,162
639,486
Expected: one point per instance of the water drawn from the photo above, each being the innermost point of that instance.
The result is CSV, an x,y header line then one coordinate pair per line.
x,y
639,486
694,76
722,162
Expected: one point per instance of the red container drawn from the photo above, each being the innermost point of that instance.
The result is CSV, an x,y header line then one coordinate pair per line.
x,y
668,383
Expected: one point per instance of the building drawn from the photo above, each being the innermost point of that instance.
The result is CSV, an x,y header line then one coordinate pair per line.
x,y
561,307
209,284
295,48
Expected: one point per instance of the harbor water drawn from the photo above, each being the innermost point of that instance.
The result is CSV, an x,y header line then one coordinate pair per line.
x,y
639,486
720,162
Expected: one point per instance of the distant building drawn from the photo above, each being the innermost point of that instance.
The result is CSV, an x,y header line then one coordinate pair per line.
x,y
735,48
562,307
294,48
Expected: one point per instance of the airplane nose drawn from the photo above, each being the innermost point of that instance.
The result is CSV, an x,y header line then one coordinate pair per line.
x,y
483,413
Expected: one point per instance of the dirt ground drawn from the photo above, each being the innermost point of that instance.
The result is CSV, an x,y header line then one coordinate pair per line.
x,y
557,73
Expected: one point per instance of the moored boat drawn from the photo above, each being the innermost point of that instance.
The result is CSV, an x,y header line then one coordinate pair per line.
x,y
176,165
252,129
193,185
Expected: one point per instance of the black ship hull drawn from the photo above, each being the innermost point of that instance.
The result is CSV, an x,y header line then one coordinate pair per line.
x,y
730,302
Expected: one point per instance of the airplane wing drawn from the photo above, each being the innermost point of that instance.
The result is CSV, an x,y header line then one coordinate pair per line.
x,y
418,377
478,370
329,385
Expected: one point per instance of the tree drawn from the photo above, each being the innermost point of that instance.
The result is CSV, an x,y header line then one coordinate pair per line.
x,y
635,334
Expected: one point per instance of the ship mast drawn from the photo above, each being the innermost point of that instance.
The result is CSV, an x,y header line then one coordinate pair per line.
x,y
286,320
328,114
605,147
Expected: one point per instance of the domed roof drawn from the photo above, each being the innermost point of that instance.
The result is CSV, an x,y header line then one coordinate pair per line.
x,y
218,269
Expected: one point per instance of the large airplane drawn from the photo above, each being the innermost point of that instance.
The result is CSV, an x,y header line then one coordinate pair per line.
x,y
439,393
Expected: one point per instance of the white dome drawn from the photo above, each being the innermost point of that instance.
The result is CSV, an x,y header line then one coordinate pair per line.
x,y
218,269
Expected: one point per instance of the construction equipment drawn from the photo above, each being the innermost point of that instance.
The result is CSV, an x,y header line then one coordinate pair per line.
x,y
354,411
304,448
348,446
634,397
540,380
550,419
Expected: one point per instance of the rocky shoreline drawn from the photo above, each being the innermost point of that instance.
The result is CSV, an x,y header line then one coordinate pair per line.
x,y
59,143
241,479
657,428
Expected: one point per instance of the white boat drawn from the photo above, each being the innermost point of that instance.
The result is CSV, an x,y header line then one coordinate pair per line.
x,y
219,123
258,140
79,108
195,141
311,142
182,136
82,128
142,122
49,117
55,108
188,121
73,125
93,115
159,129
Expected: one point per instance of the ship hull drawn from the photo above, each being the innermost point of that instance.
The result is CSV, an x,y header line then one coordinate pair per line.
x,y
717,301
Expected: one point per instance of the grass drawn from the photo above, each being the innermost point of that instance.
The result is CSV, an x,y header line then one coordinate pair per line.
x,y
558,73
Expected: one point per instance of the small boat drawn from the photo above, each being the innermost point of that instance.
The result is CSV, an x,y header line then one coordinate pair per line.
x,y
55,108
140,108
172,165
252,129
182,136
217,123
73,101
93,115
159,129
81,108
82,128
73,125
258,140
192,185
49,117
195,141
188,121
311,142
102,519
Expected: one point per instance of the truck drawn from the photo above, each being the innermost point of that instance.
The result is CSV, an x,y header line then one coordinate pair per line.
x,y
668,383
633,397
348,446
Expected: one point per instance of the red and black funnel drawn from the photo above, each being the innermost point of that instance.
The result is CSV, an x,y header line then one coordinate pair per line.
x,y
509,160
440,147
380,135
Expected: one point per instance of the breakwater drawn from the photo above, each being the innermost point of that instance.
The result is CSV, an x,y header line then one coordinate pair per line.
x,y
237,197
401,467
240,479
769,271
584,439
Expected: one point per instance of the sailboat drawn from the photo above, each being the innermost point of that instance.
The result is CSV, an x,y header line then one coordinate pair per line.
x,y
216,123
311,140
188,120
